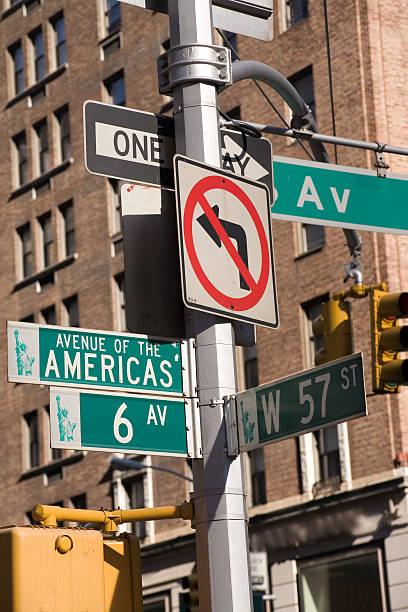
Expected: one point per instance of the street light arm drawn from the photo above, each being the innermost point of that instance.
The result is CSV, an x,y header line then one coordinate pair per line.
x,y
302,119
132,464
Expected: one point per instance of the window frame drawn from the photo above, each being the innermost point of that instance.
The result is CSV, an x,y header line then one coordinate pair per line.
x,y
38,67
64,133
109,85
31,442
67,228
25,254
120,301
17,72
57,43
287,14
114,26
67,303
46,235
43,154
21,164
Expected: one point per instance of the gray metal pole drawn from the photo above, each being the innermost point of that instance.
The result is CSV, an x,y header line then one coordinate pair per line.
x,y
221,518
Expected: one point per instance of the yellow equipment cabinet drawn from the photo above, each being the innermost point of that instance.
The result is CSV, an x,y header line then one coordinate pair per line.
x,y
52,569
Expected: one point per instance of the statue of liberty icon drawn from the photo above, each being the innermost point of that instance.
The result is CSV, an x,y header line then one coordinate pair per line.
x,y
24,359
248,425
66,427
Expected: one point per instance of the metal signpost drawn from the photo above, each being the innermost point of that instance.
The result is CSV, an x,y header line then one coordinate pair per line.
x,y
73,357
303,402
214,208
326,194
137,146
94,420
249,17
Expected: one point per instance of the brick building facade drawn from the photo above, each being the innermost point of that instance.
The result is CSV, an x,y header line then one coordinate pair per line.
x,y
329,510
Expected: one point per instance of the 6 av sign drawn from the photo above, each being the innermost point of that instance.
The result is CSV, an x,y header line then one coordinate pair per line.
x,y
325,194
63,356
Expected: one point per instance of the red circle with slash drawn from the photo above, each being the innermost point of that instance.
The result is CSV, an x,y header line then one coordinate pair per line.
x,y
257,287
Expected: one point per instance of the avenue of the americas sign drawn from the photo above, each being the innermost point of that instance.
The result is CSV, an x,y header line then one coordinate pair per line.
x,y
53,355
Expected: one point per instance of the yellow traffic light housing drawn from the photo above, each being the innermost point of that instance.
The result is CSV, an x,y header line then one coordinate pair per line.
x,y
334,327
388,339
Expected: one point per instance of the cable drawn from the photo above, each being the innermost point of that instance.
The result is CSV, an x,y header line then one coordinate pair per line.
x,y
326,22
263,92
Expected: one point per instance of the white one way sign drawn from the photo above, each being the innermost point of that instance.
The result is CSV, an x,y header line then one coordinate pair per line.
x,y
139,147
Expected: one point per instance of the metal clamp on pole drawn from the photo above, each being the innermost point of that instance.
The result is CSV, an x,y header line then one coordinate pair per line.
x,y
196,62
381,163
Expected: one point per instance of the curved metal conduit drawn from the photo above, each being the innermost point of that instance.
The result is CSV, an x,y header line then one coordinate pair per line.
x,y
302,118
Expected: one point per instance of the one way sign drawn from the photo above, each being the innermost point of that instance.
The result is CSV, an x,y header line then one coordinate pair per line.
x,y
225,240
139,147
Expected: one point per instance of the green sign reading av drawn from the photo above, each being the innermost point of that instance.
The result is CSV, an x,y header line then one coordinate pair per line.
x,y
75,357
326,194
306,401
95,420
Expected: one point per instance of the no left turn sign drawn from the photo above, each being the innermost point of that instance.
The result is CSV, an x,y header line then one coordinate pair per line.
x,y
225,242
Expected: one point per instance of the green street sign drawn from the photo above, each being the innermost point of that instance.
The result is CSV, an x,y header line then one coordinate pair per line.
x,y
51,355
326,194
306,401
128,423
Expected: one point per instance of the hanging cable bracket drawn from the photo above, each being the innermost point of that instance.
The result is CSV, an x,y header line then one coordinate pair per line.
x,y
381,163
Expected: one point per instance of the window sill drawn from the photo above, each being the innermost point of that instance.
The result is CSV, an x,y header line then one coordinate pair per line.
x,y
11,9
52,465
46,272
29,91
39,180
316,249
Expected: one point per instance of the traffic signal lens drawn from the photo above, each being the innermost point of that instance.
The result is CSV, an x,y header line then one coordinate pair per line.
x,y
403,303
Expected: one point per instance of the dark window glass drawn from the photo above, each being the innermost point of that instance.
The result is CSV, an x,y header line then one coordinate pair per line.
x,y
314,236
112,15
115,87
296,11
47,238
42,146
313,310
67,212
303,83
20,143
49,315
135,490
64,133
60,43
33,456
354,584
233,43
256,461
31,5
79,501
327,442
39,59
16,53
26,250
251,367
71,308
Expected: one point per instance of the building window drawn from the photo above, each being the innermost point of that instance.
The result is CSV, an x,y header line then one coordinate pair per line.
x,y
233,43
31,441
353,581
38,58
16,54
327,446
311,311
49,316
115,89
71,311
293,12
309,238
26,255
302,81
31,5
41,137
161,603
120,301
116,213
257,468
62,117
53,454
79,501
46,239
58,28
250,367
134,488
68,228
112,15
21,158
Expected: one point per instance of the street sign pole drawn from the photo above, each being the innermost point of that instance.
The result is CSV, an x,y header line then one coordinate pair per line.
x,y
220,511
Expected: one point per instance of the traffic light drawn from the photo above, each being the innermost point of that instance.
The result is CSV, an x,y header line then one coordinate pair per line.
x,y
388,338
190,600
68,569
334,328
